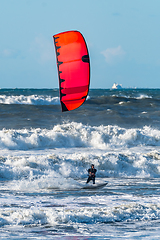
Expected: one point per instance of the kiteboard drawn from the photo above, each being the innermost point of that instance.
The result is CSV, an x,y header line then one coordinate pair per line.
x,y
94,186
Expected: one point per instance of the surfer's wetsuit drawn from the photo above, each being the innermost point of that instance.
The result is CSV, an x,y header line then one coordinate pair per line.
x,y
92,171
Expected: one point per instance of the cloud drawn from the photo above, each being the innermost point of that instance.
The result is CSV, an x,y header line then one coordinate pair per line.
x,y
42,49
9,53
112,55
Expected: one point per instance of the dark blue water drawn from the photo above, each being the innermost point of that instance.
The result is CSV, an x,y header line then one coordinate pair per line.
x,y
21,108
45,154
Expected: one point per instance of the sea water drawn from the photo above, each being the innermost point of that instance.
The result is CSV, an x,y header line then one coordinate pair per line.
x,y
45,154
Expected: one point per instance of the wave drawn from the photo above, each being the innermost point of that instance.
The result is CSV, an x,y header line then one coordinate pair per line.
x,y
143,96
34,171
66,213
29,100
67,150
137,96
36,99
69,135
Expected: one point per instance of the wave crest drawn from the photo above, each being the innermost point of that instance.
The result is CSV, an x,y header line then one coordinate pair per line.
x,y
69,135
29,100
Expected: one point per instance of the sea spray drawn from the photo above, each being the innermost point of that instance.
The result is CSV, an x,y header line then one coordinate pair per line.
x,y
74,134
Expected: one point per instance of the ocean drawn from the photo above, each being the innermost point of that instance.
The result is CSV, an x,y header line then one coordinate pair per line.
x,y
45,154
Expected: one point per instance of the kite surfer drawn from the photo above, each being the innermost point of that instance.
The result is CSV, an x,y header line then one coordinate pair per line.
x,y
91,171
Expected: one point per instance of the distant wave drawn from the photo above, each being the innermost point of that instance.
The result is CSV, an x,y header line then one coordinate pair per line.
x,y
29,100
139,96
49,100
74,134
143,96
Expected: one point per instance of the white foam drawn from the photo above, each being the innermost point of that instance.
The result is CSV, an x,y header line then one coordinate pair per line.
x,y
29,100
66,151
38,193
69,135
71,212
140,96
62,169
143,96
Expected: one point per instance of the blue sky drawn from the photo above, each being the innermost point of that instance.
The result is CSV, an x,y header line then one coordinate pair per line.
x,y
123,39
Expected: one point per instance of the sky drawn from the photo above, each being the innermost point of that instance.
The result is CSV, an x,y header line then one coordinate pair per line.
x,y
123,39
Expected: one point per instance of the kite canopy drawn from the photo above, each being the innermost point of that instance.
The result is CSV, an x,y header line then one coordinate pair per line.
x,y
73,69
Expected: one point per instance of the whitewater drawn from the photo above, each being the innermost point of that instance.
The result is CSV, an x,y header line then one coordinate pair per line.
x,y
45,154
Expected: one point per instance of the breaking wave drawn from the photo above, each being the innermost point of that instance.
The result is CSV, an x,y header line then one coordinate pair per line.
x,y
69,135
29,100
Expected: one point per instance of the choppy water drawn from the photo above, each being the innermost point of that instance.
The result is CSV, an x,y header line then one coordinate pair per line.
x,y
45,153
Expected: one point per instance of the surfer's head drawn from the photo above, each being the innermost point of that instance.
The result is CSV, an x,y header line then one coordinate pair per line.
x,y
92,166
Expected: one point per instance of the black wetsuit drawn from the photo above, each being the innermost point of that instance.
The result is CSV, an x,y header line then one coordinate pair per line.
x,y
92,172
